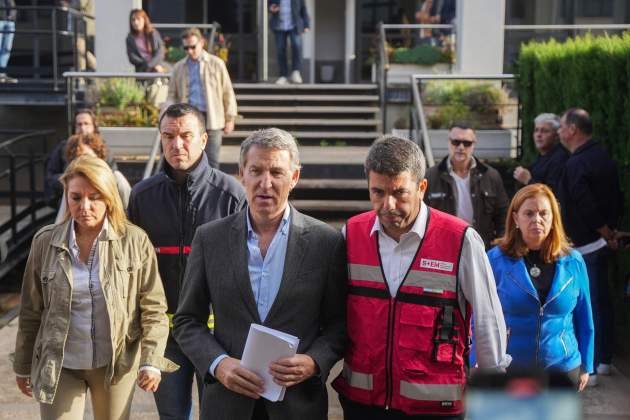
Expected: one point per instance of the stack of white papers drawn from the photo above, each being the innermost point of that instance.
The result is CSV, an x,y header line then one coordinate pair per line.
x,y
264,346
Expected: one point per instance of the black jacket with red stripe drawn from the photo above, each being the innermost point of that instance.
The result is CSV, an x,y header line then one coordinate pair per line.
x,y
171,213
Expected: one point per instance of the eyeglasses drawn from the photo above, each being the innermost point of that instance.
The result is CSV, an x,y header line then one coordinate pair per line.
x,y
189,47
466,143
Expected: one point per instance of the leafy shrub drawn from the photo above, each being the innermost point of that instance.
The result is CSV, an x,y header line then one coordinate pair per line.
x,y
464,101
174,54
422,54
119,93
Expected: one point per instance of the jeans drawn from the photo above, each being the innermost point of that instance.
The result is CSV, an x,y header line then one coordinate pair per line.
x,y
597,268
174,395
213,147
7,31
296,50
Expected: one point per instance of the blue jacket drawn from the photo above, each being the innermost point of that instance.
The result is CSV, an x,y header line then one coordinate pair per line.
x,y
557,335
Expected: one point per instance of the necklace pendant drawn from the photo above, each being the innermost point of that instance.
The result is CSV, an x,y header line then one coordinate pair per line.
x,y
534,271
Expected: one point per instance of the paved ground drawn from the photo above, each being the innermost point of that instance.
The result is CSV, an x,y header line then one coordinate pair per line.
x,y
608,401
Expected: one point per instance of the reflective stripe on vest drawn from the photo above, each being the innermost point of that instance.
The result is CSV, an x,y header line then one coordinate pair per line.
x,y
358,380
431,392
171,250
210,321
428,280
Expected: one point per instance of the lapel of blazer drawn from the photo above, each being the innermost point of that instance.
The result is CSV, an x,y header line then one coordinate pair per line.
x,y
238,253
296,249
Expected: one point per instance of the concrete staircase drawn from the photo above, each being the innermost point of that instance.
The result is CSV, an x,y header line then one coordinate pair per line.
x,y
334,126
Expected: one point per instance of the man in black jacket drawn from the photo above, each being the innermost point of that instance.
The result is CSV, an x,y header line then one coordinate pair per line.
x,y
548,166
170,206
468,188
591,202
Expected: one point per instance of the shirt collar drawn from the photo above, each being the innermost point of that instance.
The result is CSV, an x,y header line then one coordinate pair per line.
x,y
449,165
419,226
72,236
284,223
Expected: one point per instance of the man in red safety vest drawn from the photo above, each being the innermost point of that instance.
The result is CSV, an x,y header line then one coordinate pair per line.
x,y
417,277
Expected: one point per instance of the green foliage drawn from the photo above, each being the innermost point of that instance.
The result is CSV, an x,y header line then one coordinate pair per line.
x,y
588,72
463,101
133,116
174,54
119,93
422,54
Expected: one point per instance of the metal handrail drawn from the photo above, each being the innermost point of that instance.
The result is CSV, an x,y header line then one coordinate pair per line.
x,y
212,26
383,67
578,27
5,144
54,10
423,131
155,150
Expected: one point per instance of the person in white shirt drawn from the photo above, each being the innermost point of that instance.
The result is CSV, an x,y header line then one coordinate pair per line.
x,y
417,276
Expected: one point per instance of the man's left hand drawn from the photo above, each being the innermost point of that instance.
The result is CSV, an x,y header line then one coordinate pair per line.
x,y
229,127
293,370
149,380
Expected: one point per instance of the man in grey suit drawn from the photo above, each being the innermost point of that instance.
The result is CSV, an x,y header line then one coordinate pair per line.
x,y
270,265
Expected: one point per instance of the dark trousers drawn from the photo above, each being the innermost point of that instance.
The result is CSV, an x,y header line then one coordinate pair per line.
x,y
213,147
356,411
296,50
174,395
260,413
597,268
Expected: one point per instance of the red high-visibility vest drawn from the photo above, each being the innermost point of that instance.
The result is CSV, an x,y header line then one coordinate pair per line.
x,y
408,352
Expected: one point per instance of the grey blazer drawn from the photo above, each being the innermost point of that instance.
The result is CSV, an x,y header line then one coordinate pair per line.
x,y
311,304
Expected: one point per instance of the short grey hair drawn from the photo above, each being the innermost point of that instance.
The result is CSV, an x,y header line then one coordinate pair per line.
x,y
271,138
548,118
390,155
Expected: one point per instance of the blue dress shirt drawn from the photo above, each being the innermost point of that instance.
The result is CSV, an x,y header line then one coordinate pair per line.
x,y
265,274
196,92
285,15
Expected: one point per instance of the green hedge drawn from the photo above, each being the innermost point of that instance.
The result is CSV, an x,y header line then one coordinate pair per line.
x,y
588,72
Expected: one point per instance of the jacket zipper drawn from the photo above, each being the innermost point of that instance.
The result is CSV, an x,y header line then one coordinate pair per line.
x,y
564,346
389,350
181,236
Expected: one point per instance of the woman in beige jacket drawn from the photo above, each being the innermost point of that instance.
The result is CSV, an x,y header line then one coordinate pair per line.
x,y
93,307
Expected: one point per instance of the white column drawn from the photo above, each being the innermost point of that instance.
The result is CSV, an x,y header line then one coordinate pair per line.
x,y
308,40
480,33
112,23
349,56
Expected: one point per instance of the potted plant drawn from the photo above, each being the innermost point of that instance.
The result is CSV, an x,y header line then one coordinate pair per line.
x,y
126,115
421,59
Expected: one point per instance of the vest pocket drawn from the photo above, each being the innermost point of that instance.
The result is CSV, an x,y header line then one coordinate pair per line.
x,y
47,282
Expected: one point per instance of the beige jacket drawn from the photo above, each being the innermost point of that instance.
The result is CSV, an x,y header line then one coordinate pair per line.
x,y
220,98
133,292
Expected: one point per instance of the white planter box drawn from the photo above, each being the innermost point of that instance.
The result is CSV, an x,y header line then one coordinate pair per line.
x,y
401,73
129,141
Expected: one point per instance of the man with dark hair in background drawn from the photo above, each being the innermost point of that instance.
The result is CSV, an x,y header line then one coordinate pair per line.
x,y
592,205
170,206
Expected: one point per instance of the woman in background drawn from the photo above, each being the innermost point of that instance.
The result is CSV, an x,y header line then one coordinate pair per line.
x,y
145,48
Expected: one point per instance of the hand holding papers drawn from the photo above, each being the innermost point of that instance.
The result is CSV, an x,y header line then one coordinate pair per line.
x,y
263,347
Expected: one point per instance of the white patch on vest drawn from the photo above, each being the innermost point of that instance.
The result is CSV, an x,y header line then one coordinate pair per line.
x,y
436,265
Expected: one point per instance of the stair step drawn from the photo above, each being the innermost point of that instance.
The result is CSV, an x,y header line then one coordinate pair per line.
x,y
327,184
326,135
349,206
309,109
306,98
304,86
276,122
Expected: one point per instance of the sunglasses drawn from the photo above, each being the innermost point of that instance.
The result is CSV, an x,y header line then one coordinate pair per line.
x,y
466,143
189,47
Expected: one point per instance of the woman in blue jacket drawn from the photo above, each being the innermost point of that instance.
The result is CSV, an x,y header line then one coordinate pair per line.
x,y
543,287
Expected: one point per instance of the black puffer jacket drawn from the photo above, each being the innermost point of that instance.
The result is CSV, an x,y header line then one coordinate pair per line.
x,y
171,213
